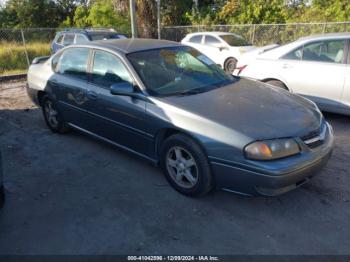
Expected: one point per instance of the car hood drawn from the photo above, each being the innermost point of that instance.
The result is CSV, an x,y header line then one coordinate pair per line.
x,y
252,108
244,49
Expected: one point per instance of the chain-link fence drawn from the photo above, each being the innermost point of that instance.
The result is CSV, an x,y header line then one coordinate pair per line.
x,y
260,34
19,46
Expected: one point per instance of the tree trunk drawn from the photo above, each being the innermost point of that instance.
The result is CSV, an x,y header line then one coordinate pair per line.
x,y
146,16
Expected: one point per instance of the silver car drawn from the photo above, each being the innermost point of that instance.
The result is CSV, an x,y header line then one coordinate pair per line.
x,y
173,106
316,67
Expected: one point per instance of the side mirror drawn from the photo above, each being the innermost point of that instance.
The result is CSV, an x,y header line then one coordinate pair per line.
x,y
223,48
122,89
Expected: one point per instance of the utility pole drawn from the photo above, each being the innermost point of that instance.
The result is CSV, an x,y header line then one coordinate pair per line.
x,y
133,19
158,17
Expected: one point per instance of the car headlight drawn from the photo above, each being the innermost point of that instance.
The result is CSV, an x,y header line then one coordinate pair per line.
x,y
272,149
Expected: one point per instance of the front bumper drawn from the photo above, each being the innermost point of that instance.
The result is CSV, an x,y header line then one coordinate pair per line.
x,y
32,94
272,182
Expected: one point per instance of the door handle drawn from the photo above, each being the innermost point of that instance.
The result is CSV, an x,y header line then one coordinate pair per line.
x,y
91,95
286,66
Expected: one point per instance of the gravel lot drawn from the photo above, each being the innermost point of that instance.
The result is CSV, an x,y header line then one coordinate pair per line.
x,y
71,194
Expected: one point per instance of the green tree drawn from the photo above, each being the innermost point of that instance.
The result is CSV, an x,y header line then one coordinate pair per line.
x,y
253,12
173,12
322,11
80,18
206,13
37,13
100,14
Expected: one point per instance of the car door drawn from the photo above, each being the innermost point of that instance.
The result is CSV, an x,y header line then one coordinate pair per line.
x,y
68,85
346,91
214,49
316,70
195,42
118,118
68,39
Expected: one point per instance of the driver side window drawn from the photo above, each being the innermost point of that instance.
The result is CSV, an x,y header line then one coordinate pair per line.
x,y
108,70
332,51
211,40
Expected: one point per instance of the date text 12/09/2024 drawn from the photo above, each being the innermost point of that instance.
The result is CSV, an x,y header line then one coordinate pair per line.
x,y
173,258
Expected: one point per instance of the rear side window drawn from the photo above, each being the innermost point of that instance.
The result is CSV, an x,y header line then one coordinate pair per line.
x,y
68,39
108,70
197,39
73,62
59,39
79,39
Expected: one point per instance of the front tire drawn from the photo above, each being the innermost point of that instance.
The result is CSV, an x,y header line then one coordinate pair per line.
x,y
230,65
185,166
52,116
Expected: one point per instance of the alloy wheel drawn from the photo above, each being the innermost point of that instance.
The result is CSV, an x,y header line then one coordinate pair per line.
x,y
51,114
182,167
231,66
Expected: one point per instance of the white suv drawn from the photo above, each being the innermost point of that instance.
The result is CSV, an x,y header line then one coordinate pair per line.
x,y
223,48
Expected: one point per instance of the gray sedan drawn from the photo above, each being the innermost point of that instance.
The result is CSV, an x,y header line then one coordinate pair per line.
x,y
173,106
2,190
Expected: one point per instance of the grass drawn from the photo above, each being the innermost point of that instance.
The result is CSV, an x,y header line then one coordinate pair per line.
x,y
13,58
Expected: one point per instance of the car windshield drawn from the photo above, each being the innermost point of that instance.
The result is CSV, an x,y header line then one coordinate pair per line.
x,y
103,36
234,40
177,71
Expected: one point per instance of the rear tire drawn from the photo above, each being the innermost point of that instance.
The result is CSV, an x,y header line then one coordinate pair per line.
x,y
185,166
52,116
230,65
277,83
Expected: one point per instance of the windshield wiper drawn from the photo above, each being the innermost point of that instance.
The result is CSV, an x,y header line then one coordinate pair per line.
x,y
188,92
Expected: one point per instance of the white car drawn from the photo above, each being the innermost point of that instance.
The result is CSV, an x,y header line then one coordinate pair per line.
x,y
316,67
224,49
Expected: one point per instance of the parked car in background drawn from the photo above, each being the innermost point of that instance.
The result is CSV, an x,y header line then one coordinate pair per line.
x,y
316,67
2,190
171,105
79,36
224,49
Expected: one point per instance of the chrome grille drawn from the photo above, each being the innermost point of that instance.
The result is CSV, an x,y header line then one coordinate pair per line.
x,y
316,137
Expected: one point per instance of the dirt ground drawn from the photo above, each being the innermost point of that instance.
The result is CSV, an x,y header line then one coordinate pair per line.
x,y
71,194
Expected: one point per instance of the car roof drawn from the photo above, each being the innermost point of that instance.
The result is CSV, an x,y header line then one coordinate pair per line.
x,y
283,49
214,33
91,31
325,36
130,45
104,32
